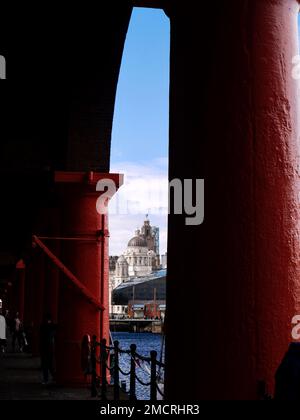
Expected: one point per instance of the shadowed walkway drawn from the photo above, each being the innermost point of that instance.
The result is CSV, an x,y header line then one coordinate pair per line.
x,y
20,379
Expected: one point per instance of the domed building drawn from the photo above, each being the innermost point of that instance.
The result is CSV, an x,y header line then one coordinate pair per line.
x,y
137,241
137,257
153,259
140,259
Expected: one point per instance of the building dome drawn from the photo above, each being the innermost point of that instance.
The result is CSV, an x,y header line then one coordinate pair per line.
x,y
138,241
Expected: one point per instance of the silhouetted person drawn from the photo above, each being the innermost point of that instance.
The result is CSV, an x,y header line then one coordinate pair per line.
x,y
17,333
288,375
47,348
2,332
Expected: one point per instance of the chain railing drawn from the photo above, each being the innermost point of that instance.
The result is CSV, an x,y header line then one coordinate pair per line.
x,y
114,369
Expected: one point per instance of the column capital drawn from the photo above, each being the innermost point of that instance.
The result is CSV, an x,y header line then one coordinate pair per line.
x,y
89,179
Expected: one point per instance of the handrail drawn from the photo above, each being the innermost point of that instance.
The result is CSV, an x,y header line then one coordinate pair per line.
x,y
116,370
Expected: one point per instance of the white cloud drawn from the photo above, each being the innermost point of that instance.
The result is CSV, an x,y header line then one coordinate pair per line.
x,y
145,191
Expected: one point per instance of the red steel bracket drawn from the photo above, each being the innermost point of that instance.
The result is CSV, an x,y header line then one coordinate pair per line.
x,y
77,283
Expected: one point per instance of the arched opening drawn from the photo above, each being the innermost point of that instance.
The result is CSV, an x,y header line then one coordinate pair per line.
x,y
139,212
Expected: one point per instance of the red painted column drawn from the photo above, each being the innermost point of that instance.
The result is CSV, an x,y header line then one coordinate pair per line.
x,y
52,273
105,277
277,186
36,288
51,295
86,257
234,123
13,292
38,271
29,297
20,278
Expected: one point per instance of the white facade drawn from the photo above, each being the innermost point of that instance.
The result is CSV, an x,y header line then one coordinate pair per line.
x,y
118,311
122,270
164,261
137,256
139,260
114,282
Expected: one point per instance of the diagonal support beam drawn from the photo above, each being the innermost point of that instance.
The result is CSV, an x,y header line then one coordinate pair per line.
x,y
77,283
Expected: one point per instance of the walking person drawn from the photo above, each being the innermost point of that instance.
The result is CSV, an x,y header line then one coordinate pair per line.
x,y
17,334
2,333
47,348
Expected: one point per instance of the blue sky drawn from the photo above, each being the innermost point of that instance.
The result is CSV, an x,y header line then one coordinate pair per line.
x,y
140,130
299,27
141,126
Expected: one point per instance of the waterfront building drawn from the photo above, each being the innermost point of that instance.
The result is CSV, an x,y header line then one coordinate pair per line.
x,y
140,260
149,309
136,291
164,261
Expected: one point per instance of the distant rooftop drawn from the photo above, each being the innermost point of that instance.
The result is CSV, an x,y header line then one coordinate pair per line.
x,y
134,281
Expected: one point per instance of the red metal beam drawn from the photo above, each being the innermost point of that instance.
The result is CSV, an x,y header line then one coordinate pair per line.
x,y
89,178
77,283
55,238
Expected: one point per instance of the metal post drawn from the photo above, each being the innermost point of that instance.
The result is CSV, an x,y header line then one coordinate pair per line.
x,y
103,359
116,372
132,373
153,391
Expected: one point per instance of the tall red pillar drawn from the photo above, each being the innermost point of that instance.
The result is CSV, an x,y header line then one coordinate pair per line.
x,y
234,122
86,256
52,272
37,273
29,298
20,280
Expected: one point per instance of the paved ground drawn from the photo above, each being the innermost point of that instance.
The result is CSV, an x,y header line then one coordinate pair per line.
x,y
20,379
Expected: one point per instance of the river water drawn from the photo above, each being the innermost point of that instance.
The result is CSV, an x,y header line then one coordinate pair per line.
x,y
145,342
